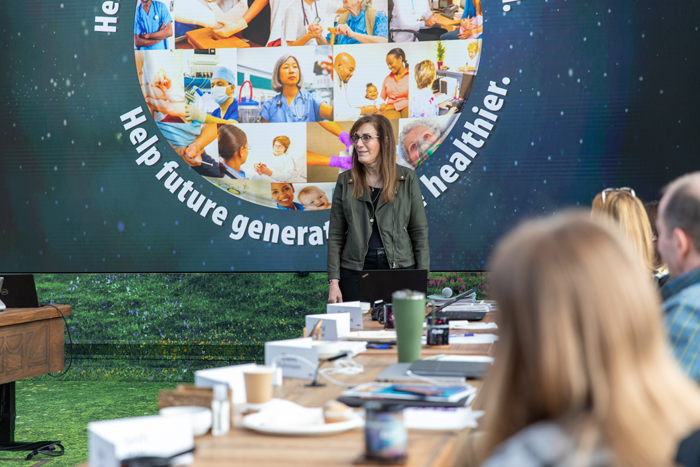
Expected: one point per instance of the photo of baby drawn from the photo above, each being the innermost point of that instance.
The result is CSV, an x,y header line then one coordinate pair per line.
x,y
372,98
309,197
314,199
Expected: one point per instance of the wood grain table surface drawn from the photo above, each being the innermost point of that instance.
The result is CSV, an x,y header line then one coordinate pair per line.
x,y
250,449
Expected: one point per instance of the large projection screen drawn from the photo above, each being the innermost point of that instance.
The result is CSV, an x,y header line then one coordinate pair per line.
x,y
527,108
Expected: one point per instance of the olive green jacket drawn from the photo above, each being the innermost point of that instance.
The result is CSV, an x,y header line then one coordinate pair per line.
x,y
402,226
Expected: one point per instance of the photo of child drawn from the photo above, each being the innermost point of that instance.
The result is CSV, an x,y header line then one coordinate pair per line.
x,y
283,167
313,199
423,103
372,98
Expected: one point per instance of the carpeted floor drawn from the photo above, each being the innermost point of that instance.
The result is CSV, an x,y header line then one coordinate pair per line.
x,y
52,410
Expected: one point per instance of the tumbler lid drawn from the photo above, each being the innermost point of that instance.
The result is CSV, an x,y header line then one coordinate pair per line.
x,y
407,294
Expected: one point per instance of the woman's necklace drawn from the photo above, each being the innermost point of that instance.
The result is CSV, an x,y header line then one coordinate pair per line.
x,y
374,199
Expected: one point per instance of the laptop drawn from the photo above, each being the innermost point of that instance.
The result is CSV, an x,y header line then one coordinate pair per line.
x,y
379,284
18,291
444,371
466,310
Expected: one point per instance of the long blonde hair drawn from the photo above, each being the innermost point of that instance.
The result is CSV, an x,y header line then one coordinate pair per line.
x,y
581,344
629,214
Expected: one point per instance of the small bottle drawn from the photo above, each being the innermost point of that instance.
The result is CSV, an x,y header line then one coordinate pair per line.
x,y
220,411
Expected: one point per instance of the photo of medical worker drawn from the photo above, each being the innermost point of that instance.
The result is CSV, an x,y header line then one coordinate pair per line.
x,y
373,81
306,22
162,79
210,24
470,18
416,20
200,90
301,196
287,85
420,137
329,149
153,25
443,75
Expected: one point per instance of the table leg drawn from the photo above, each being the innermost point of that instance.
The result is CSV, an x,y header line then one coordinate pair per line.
x,y
7,413
7,428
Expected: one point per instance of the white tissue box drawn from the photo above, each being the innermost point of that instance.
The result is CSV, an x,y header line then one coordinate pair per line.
x,y
354,309
283,353
332,326
111,441
232,376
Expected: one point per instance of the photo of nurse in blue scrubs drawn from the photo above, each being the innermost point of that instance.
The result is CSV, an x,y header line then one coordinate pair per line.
x,y
153,26
293,103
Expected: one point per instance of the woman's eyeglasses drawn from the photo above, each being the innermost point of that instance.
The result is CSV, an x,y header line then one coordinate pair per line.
x,y
610,190
365,138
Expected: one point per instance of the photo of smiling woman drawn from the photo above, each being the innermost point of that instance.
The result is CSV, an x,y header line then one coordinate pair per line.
x,y
377,216
292,103
395,87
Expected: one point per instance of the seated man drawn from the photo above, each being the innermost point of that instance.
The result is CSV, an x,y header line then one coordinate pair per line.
x,y
679,246
152,26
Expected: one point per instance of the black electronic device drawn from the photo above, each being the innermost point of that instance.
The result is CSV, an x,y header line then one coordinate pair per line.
x,y
379,284
18,291
476,314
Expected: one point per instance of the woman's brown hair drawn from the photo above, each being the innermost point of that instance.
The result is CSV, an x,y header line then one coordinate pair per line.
x,y
283,140
387,158
581,344
231,140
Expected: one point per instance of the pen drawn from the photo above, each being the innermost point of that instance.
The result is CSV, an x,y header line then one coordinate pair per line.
x,y
462,335
337,357
381,342
207,163
378,346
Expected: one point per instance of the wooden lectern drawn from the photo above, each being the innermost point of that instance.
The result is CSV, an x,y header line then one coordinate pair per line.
x,y
31,344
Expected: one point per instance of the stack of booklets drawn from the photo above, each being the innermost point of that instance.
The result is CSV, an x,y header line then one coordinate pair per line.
x,y
411,394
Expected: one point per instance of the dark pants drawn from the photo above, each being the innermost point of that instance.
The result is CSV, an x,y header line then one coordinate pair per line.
x,y
375,259
430,34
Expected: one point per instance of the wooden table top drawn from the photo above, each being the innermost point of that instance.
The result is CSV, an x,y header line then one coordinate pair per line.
x,y
248,448
26,315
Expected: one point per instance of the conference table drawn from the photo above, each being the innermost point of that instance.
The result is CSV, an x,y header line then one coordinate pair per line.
x,y
248,448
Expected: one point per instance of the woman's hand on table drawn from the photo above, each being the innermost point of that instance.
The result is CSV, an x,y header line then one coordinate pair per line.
x,y
334,295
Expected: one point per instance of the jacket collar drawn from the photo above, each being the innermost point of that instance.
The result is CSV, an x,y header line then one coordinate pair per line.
x,y
367,195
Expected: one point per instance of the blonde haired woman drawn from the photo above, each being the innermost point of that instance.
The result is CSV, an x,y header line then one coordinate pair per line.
x,y
623,206
582,373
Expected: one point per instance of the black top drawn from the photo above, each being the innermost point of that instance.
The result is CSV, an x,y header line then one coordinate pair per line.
x,y
375,241
688,454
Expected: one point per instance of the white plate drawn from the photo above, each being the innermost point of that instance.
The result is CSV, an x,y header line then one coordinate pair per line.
x,y
254,422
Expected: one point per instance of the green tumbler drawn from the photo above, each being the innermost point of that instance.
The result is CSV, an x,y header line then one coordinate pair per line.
x,y
409,314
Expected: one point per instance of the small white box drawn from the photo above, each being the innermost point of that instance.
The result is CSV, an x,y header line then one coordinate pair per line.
x,y
284,353
112,441
232,376
353,308
332,326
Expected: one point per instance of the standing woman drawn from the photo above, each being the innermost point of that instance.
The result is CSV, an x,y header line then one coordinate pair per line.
x,y
395,87
377,219
582,374
293,104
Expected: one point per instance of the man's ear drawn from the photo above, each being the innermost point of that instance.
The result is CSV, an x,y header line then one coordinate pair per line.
x,y
230,89
682,243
